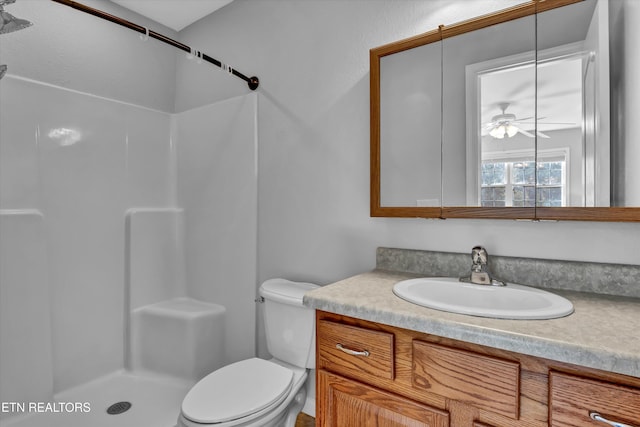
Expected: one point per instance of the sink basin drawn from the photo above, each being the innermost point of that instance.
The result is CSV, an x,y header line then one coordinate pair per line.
x,y
500,302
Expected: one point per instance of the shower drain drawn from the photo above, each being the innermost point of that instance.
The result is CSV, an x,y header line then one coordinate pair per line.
x,y
118,408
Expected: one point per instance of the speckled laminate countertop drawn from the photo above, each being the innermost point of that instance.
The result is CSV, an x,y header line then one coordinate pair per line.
x,y
602,333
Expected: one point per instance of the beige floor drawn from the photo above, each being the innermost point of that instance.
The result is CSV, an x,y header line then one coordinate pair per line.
x,y
305,420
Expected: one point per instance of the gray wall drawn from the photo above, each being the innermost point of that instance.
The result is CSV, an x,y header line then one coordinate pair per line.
x,y
312,59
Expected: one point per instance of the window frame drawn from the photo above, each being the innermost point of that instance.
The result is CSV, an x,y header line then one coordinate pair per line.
x,y
513,156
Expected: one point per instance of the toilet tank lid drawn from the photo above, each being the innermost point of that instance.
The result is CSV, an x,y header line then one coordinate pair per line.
x,y
285,291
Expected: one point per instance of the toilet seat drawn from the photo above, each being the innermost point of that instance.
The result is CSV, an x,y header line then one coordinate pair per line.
x,y
242,390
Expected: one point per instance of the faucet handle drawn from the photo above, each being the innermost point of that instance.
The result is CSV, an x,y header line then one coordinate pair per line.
x,y
479,273
479,257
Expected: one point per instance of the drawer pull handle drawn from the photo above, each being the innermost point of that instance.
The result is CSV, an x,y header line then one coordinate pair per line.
x,y
596,416
364,353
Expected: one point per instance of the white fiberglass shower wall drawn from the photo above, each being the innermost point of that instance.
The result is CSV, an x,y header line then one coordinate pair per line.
x,y
77,161
111,204
92,226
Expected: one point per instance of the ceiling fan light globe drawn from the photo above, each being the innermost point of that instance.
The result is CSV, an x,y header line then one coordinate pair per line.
x,y
498,132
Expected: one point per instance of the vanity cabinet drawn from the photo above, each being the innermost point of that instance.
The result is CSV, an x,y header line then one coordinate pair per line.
x,y
371,374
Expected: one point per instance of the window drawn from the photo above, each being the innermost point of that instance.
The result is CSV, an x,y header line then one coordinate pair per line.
x,y
512,182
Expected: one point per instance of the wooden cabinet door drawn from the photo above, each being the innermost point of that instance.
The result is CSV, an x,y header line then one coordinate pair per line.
x,y
346,403
482,381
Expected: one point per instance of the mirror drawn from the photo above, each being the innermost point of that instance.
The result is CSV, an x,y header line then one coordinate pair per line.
x,y
505,116
410,110
489,77
405,109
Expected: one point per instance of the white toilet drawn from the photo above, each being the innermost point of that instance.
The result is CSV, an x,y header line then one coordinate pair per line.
x,y
258,392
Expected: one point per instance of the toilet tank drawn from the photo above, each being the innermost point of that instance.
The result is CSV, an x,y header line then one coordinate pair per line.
x,y
289,326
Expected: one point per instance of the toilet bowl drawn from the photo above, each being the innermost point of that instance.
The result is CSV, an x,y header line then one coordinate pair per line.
x,y
258,392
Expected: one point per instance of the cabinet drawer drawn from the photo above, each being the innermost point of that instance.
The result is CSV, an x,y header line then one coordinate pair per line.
x,y
482,381
354,351
573,399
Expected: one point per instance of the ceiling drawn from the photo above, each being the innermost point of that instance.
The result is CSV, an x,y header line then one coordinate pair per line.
x,y
175,14
551,92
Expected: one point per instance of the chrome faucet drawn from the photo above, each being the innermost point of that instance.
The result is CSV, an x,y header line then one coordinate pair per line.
x,y
480,274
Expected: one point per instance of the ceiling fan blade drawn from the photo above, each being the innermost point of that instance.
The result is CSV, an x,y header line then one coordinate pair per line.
x,y
557,123
532,117
525,133
542,135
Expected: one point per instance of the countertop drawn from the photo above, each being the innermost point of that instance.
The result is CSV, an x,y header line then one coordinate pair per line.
x,y
602,333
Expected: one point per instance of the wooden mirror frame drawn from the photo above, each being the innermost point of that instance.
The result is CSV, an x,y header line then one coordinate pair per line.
x,y
613,214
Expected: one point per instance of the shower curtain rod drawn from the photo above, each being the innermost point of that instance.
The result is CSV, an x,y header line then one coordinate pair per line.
x,y
253,82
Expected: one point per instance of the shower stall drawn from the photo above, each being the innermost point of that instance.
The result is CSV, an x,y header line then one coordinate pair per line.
x,y
127,234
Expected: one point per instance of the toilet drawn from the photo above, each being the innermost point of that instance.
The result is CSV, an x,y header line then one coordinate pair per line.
x,y
257,392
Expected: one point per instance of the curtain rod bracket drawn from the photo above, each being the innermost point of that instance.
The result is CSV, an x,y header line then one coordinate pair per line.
x,y
253,82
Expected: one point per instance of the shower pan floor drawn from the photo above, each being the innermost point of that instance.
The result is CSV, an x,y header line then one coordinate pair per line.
x,y
155,401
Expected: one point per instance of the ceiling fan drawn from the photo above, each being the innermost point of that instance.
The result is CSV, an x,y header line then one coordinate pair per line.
x,y
508,125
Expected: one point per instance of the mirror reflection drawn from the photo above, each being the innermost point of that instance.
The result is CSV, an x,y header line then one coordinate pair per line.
x,y
410,117
573,87
532,115
489,79
512,172
525,119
